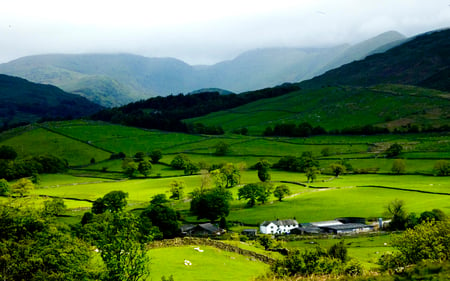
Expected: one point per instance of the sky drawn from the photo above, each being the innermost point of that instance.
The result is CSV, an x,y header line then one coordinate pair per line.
x,y
204,31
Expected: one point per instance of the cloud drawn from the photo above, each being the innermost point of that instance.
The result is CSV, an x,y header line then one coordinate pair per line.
x,y
201,31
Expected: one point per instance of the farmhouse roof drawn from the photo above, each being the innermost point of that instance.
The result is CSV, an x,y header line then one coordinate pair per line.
x,y
209,227
280,222
326,223
348,226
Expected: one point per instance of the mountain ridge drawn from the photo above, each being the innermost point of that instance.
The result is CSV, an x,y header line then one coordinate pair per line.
x,y
131,77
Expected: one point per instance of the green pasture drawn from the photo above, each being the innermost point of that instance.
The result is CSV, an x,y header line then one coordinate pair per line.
x,y
211,264
40,142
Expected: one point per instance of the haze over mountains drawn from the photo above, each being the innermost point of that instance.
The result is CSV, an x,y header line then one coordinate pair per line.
x,y
117,79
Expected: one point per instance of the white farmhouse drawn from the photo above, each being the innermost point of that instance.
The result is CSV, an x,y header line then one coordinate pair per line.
x,y
278,226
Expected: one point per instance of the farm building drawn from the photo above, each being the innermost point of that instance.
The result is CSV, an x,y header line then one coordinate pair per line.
x,y
203,229
347,228
250,232
278,226
337,226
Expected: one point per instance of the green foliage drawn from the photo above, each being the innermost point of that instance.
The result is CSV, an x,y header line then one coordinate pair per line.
x,y
211,204
54,207
139,156
311,173
227,176
32,165
5,189
255,192
124,256
281,191
155,155
22,187
177,189
398,166
396,211
129,167
266,240
394,150
190,168
163,217
339,251
428,241
263,167
113,201
35,247
222,148
179,162
7,152
144,167
297,164
306,263
442,168
337,169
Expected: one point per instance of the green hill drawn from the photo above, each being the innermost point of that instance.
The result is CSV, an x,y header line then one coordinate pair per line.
x,y
421,61
337,108
24,101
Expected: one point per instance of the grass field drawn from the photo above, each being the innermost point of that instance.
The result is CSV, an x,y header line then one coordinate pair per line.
x,y
212,264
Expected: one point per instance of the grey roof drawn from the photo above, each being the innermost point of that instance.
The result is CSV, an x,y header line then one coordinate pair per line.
x,y
281,222
349,226
209,227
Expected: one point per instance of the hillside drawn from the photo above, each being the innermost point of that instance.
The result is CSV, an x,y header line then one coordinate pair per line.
x,y
340,108
24,101
117,79
421,61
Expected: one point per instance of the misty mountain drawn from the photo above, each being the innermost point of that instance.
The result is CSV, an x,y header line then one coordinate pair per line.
x,y
421,61
117,79
24,101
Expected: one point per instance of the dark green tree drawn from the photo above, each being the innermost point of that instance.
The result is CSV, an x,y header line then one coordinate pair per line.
x,y
156,155
113,201
145,167
177,189
163,217
227,176
398,214
255,192
190,168
311,173
281,191
129,167
263,167
211,204
179,162
442,168
7,152
337,169
222,148
394,150
139,156
22,187
54,207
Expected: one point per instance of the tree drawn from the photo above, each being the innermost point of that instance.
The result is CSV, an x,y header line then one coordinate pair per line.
x,y
263,167
5,189
281,191
396,211
145,167
398,166
129,167
176,188
255,192
339,251
442,167
394,150
22,186
311,173
7,152
164,217
179,161
227,176
190,168
337,169
124,256
155,155
54,207
222,148
211,204
113,201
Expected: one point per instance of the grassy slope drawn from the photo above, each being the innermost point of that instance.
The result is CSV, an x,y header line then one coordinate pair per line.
x,y
338,108
212,264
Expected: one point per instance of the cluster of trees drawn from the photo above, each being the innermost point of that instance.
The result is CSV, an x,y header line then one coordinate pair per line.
x,y
200,128
427,242
297,164
401,219
12,168
291,130
141,162
167,113
317,261
260,192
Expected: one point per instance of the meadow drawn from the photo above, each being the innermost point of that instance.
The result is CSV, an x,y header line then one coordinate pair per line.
x,y
353,195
